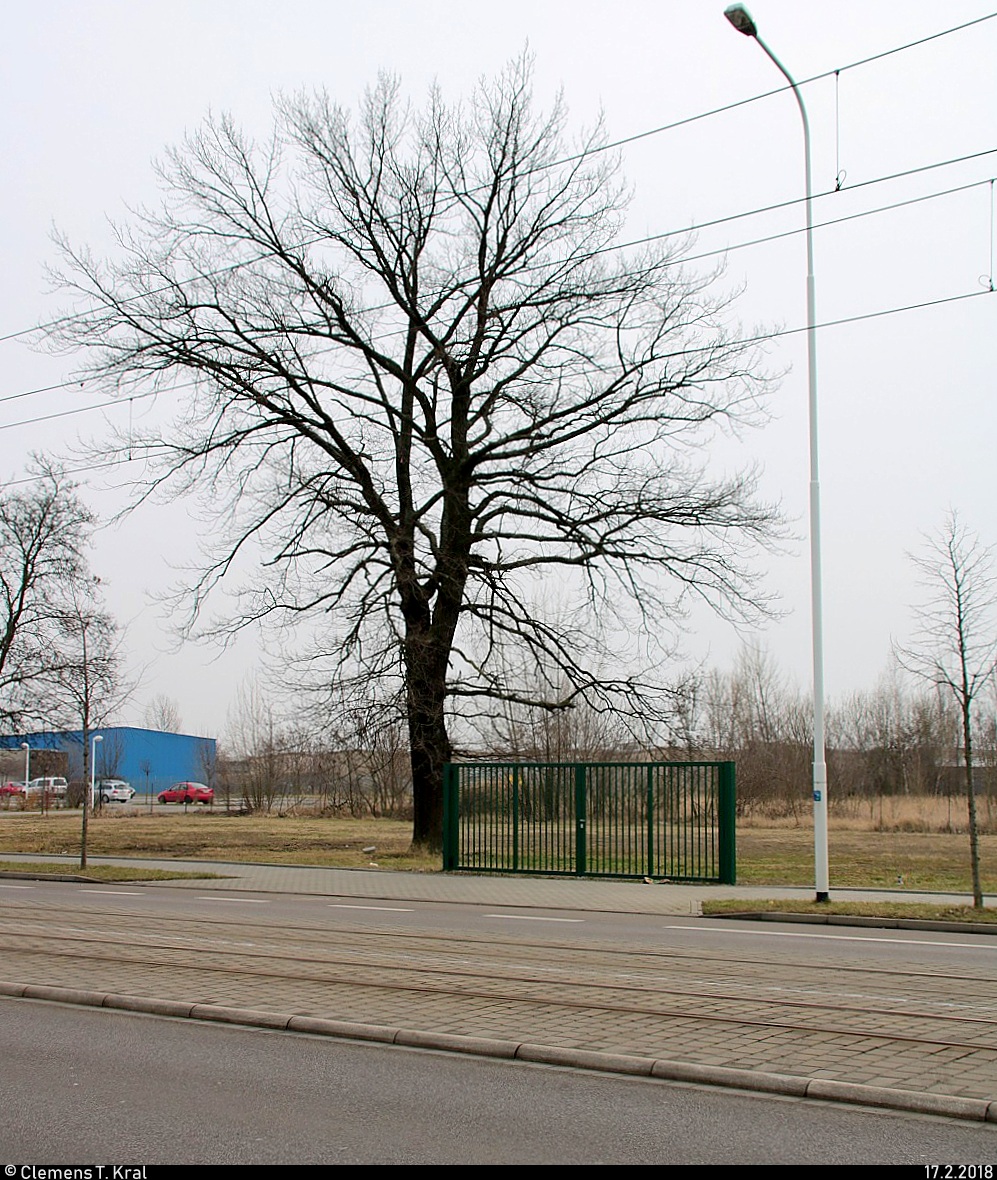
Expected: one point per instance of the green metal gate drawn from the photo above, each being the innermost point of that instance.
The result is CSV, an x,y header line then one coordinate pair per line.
x,y
605,819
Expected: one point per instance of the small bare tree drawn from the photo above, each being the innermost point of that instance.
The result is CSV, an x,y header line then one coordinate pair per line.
x,y
163,714
956,643
44,531
258,733
89,685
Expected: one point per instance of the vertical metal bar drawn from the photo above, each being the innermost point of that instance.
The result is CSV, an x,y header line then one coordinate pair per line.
x,y
487,807
494,818
727,819
474,833
449,819
580,813
472,807
686,810
477,815
499,824
515,819
598,817
533,819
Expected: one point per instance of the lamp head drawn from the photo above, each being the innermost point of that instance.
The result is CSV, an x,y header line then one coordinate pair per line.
x,y
740,18
25,746
98,737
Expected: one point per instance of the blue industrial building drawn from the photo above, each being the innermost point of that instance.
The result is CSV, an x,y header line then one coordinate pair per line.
x,y
149,759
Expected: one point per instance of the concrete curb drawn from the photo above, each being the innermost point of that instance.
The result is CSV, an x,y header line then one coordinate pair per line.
x,y
78,877
861,920
974,1109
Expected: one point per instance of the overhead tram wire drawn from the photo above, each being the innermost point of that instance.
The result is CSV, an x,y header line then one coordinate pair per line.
x,y
603,148
646,240
726,219
720,251
788,233
759,339
85,469
733,106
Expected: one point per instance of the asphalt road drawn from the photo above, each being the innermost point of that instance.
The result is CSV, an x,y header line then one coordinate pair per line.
x,y
961,953
81,1086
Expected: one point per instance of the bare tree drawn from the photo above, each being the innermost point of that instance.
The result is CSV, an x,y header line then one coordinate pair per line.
x,y
956,642
89,685
258,735
44,531
163,714
414,366
890,741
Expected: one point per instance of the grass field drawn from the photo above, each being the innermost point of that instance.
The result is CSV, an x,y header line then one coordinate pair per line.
x,y
929,861
766,855
856,909
214,835
93,872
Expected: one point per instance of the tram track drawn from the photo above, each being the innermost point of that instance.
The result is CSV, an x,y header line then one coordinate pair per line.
x,y
438,941
583,980
300,964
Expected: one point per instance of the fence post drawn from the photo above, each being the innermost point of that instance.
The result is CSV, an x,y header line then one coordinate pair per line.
x,y
450,810
727,818
580,810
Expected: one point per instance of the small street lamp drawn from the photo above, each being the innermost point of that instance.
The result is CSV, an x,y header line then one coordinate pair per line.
x,y
740,18
27,767
93,767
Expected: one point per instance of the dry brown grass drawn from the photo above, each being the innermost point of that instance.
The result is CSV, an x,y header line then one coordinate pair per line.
x,y
214,835
904,910
929,861
892,849
898,813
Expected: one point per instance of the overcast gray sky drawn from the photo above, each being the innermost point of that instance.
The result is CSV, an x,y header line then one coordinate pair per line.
x,y
93,92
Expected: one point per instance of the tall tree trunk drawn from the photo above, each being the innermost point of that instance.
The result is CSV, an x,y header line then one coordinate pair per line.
x,y
429,742
974,836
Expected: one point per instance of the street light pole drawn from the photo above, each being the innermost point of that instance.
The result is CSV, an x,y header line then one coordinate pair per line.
x,y
88,798
93,768
27,768
739,17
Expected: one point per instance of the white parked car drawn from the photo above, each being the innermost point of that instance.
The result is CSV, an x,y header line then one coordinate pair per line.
x,y
53,787
113,790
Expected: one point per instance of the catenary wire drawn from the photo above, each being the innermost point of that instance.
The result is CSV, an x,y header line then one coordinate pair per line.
x,y
732,106
759,339
619,142
729,248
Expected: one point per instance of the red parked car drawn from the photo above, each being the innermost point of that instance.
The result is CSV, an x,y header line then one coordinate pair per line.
x,y
187,793
12,788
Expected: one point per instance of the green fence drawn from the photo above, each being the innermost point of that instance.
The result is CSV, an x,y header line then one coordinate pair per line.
x,y
605,819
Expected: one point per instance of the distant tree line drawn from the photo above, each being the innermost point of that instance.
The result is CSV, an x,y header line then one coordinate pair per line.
x,y
899,739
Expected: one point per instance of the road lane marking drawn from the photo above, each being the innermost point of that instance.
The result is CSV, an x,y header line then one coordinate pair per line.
x,y
116,892
531,918
394,909
971,946
242,900
16,886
